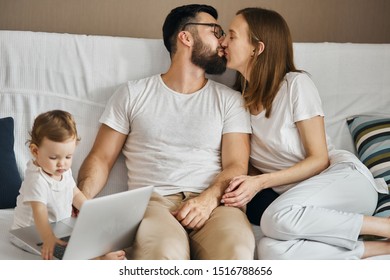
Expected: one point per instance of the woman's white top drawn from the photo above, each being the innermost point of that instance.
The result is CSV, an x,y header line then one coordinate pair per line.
x,y
275,141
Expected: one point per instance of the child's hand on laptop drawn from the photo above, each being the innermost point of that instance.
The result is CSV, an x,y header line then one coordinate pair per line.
x,y
45,231
48,246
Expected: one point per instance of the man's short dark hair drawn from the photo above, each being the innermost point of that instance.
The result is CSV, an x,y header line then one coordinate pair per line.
x,y
178,17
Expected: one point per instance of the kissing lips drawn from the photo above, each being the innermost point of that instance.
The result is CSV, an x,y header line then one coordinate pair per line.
x,y
221,52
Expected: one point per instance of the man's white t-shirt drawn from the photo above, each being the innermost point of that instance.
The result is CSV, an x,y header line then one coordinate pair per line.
x,y
174,140
275,141
40,187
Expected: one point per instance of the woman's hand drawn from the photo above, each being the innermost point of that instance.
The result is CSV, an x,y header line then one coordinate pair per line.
x,y
242,189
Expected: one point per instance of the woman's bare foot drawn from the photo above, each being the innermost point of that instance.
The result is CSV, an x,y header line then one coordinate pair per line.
x,y
378,226
376,248
117,255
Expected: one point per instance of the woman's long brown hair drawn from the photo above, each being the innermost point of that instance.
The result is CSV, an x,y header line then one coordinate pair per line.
x,y
269,68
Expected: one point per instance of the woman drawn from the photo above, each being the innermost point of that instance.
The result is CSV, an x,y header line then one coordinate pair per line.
x,y
327,196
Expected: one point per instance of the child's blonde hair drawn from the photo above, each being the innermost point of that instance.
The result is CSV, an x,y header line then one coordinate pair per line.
x,y
55,125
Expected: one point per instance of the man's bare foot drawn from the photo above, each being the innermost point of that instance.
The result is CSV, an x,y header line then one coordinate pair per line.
x,y
117,255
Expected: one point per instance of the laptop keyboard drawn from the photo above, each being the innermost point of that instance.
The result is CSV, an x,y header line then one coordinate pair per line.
x,y
58,249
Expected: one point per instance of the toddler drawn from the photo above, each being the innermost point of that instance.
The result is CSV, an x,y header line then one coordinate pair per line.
x,y
49,190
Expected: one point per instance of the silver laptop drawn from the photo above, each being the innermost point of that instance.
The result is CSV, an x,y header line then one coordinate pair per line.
x,y
104,224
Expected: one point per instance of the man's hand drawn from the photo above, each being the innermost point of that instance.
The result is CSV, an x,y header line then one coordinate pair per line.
x,y
195,212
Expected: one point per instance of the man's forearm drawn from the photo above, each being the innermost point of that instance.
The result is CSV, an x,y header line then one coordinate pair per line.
x,y
92,177
235,156
221,182
97,166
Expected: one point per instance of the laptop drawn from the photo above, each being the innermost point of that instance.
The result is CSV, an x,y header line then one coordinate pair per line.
x,y
104,224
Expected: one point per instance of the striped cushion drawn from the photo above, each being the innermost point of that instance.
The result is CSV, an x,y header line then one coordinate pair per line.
x,y
371,136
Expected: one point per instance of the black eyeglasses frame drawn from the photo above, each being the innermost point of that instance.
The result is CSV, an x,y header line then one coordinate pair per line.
x,y
217,34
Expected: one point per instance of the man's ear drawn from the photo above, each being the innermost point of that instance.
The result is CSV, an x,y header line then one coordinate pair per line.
x,y
185,38
34,150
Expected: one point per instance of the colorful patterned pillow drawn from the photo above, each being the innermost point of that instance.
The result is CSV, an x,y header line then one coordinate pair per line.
x,y
371,136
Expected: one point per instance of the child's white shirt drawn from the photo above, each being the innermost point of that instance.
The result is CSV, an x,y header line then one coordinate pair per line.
x,y
40,187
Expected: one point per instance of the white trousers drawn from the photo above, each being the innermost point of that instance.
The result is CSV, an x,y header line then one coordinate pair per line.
x,y
320,218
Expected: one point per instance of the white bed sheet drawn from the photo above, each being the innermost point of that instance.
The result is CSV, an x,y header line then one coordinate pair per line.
x,y
8,251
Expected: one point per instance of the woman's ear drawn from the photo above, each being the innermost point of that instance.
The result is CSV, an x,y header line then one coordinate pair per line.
x,y
261,48
34,150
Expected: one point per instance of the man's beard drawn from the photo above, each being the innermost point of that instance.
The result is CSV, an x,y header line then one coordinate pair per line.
x,y
203,57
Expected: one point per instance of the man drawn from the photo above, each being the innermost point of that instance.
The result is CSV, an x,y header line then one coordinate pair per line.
x,y
185,135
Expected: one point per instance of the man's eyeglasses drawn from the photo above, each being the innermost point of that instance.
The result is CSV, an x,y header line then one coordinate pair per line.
x,y
218,31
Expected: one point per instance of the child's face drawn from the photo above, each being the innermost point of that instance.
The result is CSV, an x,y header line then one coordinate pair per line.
x,y
54,157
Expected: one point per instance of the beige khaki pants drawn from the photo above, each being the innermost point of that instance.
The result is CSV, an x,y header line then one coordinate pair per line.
x,y
226,235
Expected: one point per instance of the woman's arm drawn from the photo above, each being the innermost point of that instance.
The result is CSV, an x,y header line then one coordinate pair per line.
x,y
312,133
